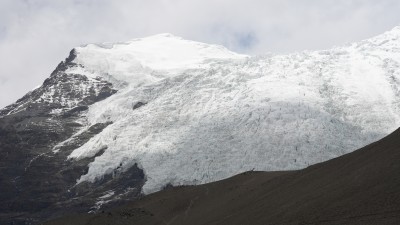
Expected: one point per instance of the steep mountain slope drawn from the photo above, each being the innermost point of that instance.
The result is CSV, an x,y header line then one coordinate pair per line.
x,y
360,188
39,131
115,120
36,183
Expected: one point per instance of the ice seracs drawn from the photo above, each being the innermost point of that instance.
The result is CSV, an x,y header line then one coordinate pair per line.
x,y
211,113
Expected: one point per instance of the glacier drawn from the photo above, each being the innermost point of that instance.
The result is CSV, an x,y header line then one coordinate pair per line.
x,y
207,113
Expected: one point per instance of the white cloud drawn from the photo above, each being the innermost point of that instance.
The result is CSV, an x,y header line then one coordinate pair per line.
x,y
36,34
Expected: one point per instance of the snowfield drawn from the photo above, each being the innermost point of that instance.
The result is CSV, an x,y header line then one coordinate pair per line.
x,y
210,113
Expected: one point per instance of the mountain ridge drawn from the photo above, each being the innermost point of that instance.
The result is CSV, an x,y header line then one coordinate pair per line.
x,y
110,125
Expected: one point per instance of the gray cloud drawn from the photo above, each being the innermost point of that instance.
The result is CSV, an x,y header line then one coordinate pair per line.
x,y
36,34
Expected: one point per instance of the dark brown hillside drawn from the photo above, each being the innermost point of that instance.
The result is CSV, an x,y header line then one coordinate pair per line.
x,y
362,187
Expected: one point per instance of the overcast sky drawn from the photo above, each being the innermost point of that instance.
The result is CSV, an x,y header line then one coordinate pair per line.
x,y
35,35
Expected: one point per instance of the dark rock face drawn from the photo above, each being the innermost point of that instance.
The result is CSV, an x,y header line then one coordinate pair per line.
x,y
138,105
38,183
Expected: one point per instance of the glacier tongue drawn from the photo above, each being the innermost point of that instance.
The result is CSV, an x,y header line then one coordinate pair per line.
x,y
208,113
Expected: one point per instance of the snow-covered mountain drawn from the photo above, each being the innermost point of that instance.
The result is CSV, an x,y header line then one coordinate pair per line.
x,y
179,112
207,113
